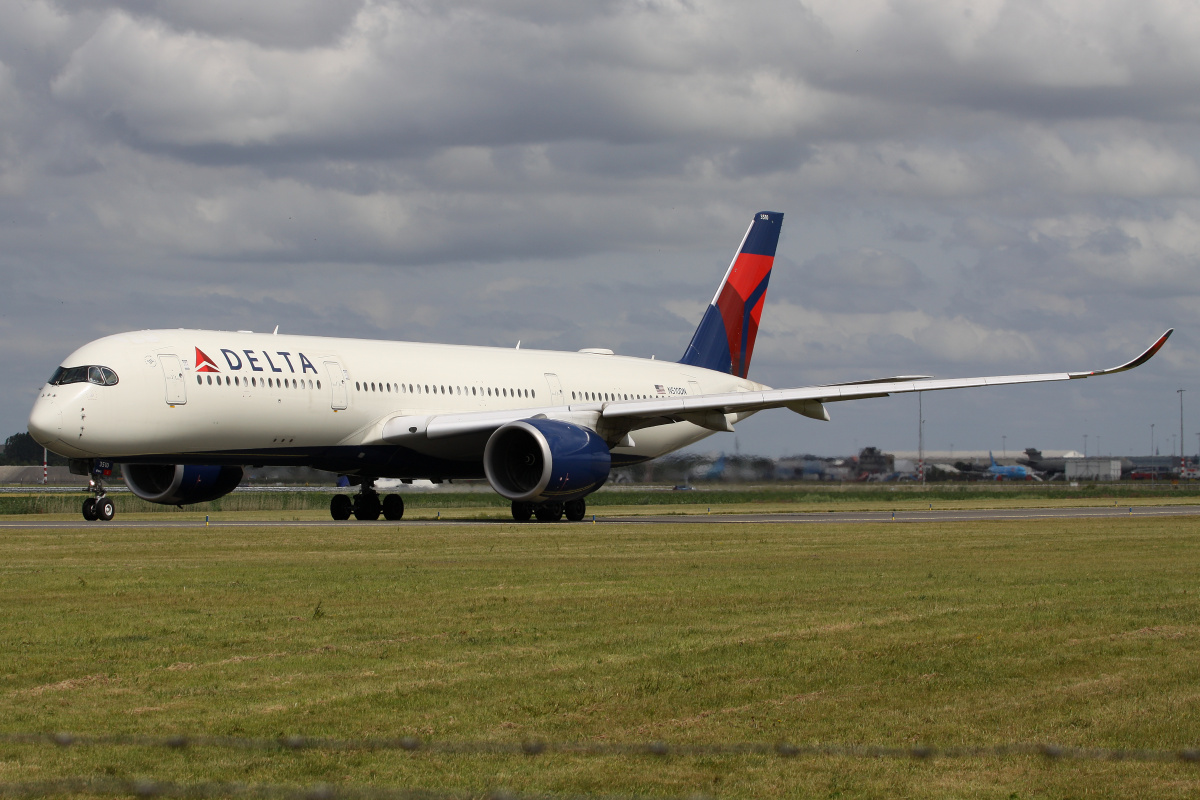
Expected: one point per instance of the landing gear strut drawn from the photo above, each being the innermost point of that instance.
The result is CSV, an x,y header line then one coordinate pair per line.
x,y
367,504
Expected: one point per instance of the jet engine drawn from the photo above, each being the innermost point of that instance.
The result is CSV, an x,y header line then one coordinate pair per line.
x,y
180,484
543,459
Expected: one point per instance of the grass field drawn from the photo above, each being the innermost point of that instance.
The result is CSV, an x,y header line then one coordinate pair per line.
x,y
1081,633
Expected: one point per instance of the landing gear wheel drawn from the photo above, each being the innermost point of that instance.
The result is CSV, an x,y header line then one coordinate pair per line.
x,y
340,506
548,512
522,510
89,509
367,507
576,509
393,507
105,509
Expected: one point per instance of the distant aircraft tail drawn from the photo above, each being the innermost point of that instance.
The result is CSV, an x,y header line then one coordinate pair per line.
x,y
725,339
992,457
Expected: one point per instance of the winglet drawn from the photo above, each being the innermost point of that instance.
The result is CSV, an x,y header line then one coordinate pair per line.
x,y
1137,362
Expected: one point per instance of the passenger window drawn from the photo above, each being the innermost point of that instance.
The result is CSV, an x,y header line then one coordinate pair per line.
x,y
200,379
318,384
210,380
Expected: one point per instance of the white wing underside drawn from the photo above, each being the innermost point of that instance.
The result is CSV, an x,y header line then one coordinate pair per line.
x,y
617,418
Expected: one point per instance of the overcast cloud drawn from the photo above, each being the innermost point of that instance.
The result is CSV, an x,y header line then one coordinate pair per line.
x,y
970,188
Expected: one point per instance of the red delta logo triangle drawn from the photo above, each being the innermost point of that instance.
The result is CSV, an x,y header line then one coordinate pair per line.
x,y
204,363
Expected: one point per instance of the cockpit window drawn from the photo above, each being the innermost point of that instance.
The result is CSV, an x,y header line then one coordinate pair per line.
x,y
101,376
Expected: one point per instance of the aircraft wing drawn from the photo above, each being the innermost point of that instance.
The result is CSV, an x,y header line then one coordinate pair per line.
x,y
801,399
710,410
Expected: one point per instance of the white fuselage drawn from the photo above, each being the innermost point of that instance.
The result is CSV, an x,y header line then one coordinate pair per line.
x,y
193,396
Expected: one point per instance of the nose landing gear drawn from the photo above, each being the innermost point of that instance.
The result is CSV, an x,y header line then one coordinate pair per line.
x,y
99,507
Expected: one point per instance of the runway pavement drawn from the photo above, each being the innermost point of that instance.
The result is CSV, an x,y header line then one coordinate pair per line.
x,y
830,517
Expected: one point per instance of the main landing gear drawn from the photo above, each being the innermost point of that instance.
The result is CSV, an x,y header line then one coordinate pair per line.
x,y
549,511
367,504
99,507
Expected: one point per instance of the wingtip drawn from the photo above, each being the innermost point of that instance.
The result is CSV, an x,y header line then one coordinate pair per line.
x,y
1150,352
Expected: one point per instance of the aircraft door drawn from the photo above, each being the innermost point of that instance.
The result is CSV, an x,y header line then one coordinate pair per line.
x,y
337,385
694,388
556,392
173,373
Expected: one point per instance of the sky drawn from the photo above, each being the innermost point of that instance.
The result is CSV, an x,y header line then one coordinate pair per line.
x,y
970,188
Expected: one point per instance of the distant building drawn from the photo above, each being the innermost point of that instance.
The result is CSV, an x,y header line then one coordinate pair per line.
x,y
1093,469
872,461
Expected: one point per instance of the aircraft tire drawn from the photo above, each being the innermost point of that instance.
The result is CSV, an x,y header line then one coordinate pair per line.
x,y
393,507
575,509
367,507
340,507
89,509
522,511
548,512
104,509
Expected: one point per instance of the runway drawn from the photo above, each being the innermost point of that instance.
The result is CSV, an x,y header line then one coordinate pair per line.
x,y
799,518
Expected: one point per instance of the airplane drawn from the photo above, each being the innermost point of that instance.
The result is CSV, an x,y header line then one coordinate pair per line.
x,y
1014,472
183,411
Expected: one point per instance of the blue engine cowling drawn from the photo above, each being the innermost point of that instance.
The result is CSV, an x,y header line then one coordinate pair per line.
x,y
180,484
544,459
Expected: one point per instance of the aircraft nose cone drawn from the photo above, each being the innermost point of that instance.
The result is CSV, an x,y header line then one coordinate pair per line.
x,y
45,422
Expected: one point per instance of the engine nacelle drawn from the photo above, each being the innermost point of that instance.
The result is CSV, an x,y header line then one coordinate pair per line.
x,y
180,484
544,459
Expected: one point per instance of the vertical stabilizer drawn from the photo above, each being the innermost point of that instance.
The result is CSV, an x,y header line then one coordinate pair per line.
x,y
725,339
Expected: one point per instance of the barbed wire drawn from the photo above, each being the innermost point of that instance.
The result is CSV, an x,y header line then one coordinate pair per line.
x,y
1190,755
117,787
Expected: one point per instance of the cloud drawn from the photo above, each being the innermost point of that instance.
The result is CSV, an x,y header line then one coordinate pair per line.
x,y
859,280
999,185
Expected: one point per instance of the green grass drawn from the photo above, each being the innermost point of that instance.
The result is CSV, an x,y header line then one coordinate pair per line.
x,y
1079,632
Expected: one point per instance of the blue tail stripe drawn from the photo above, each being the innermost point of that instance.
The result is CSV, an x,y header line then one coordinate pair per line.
x,y
709,348
764,234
